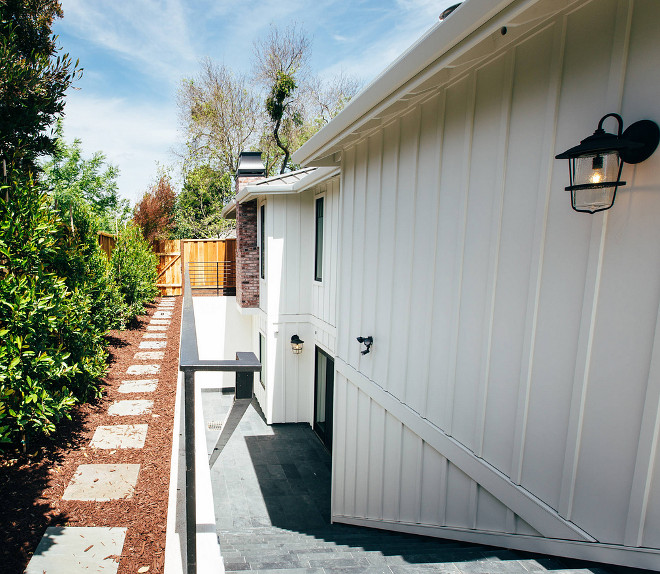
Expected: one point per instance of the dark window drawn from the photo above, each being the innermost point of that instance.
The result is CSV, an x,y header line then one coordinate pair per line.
x,y
318,258
262,360
263,242
324,376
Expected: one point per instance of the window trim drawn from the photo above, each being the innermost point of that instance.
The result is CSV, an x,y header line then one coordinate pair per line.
x,y
318,265
262,359
262,241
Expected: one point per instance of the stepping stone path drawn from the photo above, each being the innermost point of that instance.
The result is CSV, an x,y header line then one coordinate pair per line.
x,y
74,550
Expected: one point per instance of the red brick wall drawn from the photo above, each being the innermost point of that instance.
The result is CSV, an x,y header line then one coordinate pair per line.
x,y
247,249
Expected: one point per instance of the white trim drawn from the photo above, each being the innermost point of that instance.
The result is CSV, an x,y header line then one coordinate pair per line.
x,y
533,510
321,283
315,177
632,557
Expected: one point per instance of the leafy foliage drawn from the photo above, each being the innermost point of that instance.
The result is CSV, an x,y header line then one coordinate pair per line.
x,y
32,79
220,116
205,192
223,115
53,354
135,268
154,213
72,180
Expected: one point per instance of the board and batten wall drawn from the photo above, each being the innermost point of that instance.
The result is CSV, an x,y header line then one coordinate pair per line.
x,y
512,392
292,302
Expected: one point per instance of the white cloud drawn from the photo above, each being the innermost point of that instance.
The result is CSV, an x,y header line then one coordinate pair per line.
x,y
152,35
132,136
409,20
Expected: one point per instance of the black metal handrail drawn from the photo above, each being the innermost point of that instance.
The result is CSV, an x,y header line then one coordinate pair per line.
x,y
213,275
245,365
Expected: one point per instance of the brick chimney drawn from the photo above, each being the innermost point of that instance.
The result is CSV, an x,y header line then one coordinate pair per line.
x,y
250,169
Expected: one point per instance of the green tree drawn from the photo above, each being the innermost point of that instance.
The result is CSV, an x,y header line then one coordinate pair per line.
x,y
282,66
135,267
220,116
205,192
33,80
52,320
72,180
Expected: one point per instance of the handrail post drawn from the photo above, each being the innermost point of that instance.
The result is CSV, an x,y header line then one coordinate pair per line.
x,y
189,440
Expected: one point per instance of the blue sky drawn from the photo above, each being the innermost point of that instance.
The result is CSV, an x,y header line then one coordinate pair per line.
x,y
135,53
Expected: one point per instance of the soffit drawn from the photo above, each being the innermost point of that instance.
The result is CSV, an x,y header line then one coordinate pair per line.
x,y
465,40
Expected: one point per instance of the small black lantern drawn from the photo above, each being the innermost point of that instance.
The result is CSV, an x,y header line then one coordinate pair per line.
x,y
367,342
594,166
296,344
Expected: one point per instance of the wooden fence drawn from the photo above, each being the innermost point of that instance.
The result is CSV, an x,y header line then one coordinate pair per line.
x,y
107,242
174,254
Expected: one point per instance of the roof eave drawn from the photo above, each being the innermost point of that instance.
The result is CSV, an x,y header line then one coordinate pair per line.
x,y
473,20
318,176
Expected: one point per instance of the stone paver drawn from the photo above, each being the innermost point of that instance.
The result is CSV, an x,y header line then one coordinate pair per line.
x,y
130,408
78,550
145,386
119,436
153,344
154,336
102,482
156,328
159,322
162,315
143,369
149,355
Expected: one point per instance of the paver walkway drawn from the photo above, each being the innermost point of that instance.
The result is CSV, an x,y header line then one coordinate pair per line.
x,y
271,494
81,549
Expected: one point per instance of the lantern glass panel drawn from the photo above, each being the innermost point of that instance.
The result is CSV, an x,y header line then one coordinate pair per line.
x,y
595,199
597,169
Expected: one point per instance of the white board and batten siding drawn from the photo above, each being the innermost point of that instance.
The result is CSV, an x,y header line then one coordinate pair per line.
x,y
292,302
514,381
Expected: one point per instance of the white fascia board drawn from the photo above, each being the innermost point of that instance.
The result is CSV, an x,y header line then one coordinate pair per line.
x,y
229,210
472,21
250,192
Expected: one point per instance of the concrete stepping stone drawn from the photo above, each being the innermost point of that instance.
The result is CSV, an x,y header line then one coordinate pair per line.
x,y
149,355
145,386
102,482
159,322
156,328
129,408
162,315
153,344
143,369
78,550
119,436
154,336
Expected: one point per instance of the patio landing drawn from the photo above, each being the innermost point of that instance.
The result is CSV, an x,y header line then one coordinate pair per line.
x,y
271,488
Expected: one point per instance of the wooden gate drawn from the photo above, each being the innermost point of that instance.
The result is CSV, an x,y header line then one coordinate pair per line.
x,y
213,260
170,266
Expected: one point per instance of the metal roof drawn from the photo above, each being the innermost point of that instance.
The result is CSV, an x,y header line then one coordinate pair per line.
x,y
286,183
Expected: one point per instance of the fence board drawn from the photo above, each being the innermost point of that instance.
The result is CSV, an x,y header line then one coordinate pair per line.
x,y
107,242
174,254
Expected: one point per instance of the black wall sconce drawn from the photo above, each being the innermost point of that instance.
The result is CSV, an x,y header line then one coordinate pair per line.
x,y
367,342
296,344
594,166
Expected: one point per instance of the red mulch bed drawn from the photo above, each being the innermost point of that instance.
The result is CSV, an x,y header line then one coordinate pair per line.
x,y
32,485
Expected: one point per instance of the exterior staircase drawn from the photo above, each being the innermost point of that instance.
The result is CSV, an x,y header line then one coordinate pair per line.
x,y
272,490
346,549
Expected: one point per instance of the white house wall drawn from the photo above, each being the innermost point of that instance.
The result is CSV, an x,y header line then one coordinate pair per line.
x,y
507,322
293,303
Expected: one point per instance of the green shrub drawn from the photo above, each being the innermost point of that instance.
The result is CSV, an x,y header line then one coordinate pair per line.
x,y
135,267
36,312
